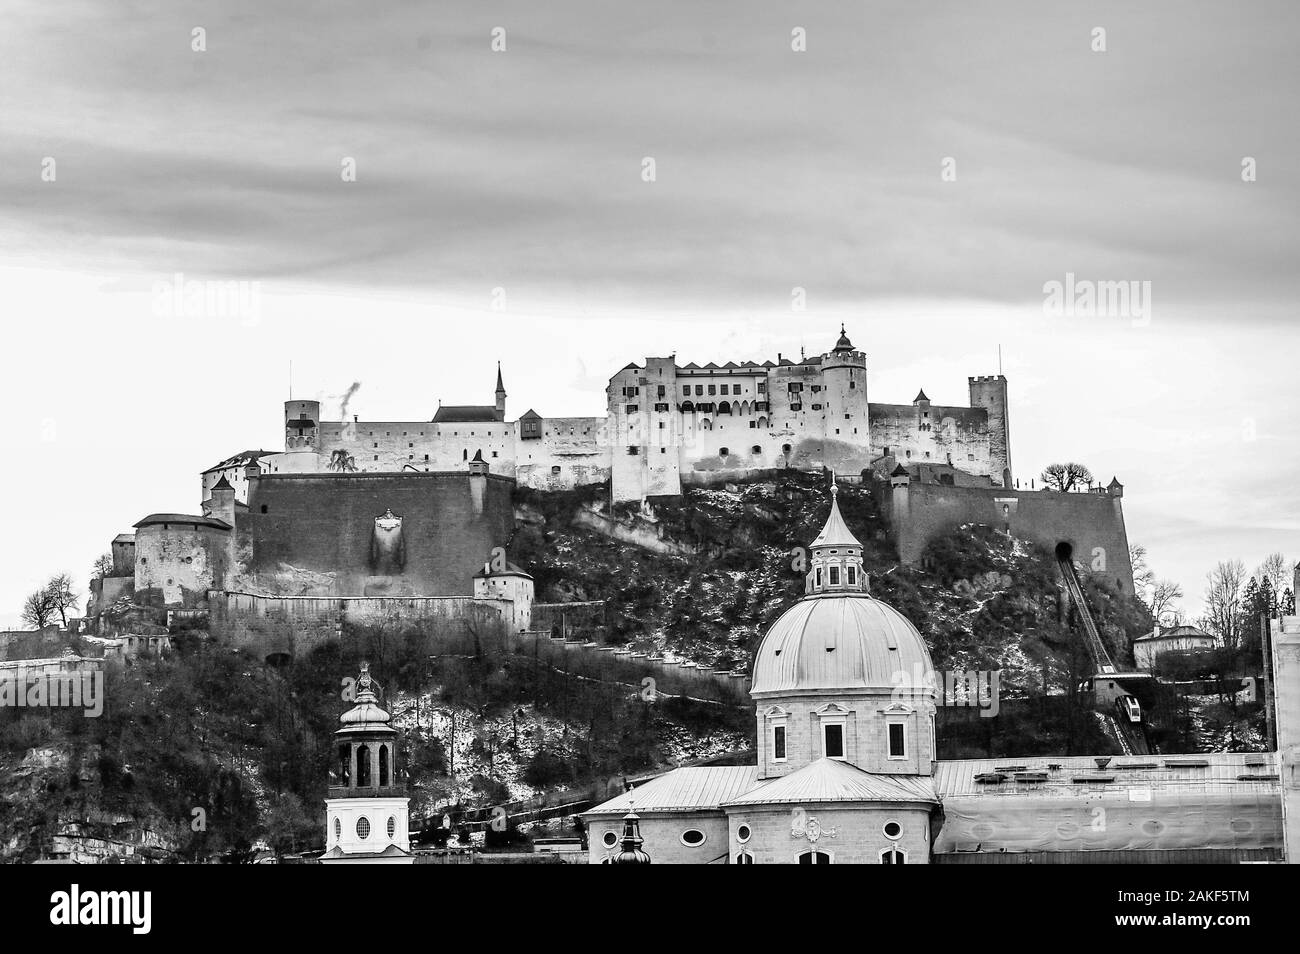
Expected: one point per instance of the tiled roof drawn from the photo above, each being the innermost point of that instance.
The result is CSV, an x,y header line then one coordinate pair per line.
x,y
156,518
830,780
467,414
684,790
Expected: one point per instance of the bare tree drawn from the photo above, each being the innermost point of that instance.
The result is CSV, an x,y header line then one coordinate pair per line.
x,y
1224,618
39,609
102,567
62,596
1163,596
1065,477
1143,575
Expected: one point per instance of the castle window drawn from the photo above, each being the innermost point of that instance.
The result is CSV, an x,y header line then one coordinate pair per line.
x,y
785,449
632,408
852,384
816,407
699,389
494,453
756,449
897,740
633,450
723,452
725,389
426,457
363,827
796,407
713,389
410,444
264,505
795,387
555,470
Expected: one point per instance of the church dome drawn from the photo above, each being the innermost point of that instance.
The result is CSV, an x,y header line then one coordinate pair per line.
x,y
838,641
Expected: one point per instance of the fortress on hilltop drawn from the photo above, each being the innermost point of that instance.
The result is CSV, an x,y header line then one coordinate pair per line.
x,y
354,519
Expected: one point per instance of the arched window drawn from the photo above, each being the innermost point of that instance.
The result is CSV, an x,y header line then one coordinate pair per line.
x,y
723,452
688,407
756,450
338,829
815,858
744,858
383,765
724,407
893,856
762,422
363,766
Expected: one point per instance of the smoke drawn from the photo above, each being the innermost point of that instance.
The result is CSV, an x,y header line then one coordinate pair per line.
x,y
345,397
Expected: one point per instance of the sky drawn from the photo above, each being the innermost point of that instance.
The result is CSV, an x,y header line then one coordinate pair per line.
x,y
919,172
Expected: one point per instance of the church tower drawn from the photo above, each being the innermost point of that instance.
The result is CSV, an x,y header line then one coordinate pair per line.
x,y
366,813
501,395
841,675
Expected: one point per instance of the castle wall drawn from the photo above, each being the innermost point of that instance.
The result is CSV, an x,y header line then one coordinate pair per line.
x,y
295,625
386,446
325,524
176,564
933,433
1092,523
571,452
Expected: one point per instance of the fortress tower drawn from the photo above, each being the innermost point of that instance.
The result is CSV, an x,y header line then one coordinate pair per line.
x,y
302,425
990,393
844,378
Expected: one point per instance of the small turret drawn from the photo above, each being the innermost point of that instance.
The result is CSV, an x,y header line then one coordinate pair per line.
x,y
501,393
1115,488
631,852
836,564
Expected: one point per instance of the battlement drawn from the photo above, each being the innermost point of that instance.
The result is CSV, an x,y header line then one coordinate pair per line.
x,y
987,378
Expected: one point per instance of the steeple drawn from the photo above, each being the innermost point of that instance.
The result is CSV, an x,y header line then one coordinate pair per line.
x,y
366,811
501,393
631,853
844,344
836,565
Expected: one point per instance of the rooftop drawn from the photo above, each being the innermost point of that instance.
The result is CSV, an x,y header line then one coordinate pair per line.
x,y
685,790
467,414
831,780
158,518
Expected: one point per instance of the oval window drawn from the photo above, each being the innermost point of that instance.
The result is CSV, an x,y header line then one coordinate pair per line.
x,y
692,837
363,827
392,826
893,830
743,833
610,839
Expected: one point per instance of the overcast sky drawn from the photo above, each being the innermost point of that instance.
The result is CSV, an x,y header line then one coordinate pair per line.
x,y
523,171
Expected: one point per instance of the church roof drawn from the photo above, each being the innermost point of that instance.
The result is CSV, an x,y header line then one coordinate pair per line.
x,y
839,641
684,790
833,780
920,396
222,484
836,533
390,851
500,387
467,414
530,415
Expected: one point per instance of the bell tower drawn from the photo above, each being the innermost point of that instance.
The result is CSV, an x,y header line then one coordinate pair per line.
x,y
366,813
